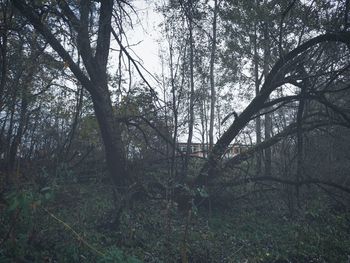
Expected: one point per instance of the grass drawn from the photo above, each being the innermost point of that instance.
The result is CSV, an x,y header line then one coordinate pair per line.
x,y
72,224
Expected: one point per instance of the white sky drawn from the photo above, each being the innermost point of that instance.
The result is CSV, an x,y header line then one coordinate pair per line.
x,y
145,39
148,33
145,36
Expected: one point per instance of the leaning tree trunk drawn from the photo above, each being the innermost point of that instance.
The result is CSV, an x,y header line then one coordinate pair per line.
x,y
111,137
272,81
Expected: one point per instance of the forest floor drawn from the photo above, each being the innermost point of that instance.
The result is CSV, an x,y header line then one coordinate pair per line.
x,y
72,223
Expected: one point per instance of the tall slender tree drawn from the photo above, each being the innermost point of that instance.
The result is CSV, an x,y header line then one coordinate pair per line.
x,y
189,9
212,77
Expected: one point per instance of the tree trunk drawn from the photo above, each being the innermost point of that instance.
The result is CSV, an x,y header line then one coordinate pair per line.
x,y
299,174
300,142
191,102
21,125
212,83
111,137
257,84
268,119
175,112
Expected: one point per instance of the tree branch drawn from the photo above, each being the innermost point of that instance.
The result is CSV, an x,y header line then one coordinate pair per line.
x,y
275,75
104,34
29,13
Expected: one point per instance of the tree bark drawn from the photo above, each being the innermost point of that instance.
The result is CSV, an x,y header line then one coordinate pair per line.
x,y
212,80
268,119
257,87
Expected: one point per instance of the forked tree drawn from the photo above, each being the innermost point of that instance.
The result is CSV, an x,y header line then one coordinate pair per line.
x,y
89,26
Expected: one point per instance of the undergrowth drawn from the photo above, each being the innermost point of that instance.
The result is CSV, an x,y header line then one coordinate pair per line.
x,y
72,223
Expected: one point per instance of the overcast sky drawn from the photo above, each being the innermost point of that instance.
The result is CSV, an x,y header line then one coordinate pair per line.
x,y
145,35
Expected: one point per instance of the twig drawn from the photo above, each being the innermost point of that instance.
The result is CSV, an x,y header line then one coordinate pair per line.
x,y
76,234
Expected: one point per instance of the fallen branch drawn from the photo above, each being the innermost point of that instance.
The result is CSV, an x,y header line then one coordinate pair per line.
x,y
76,234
